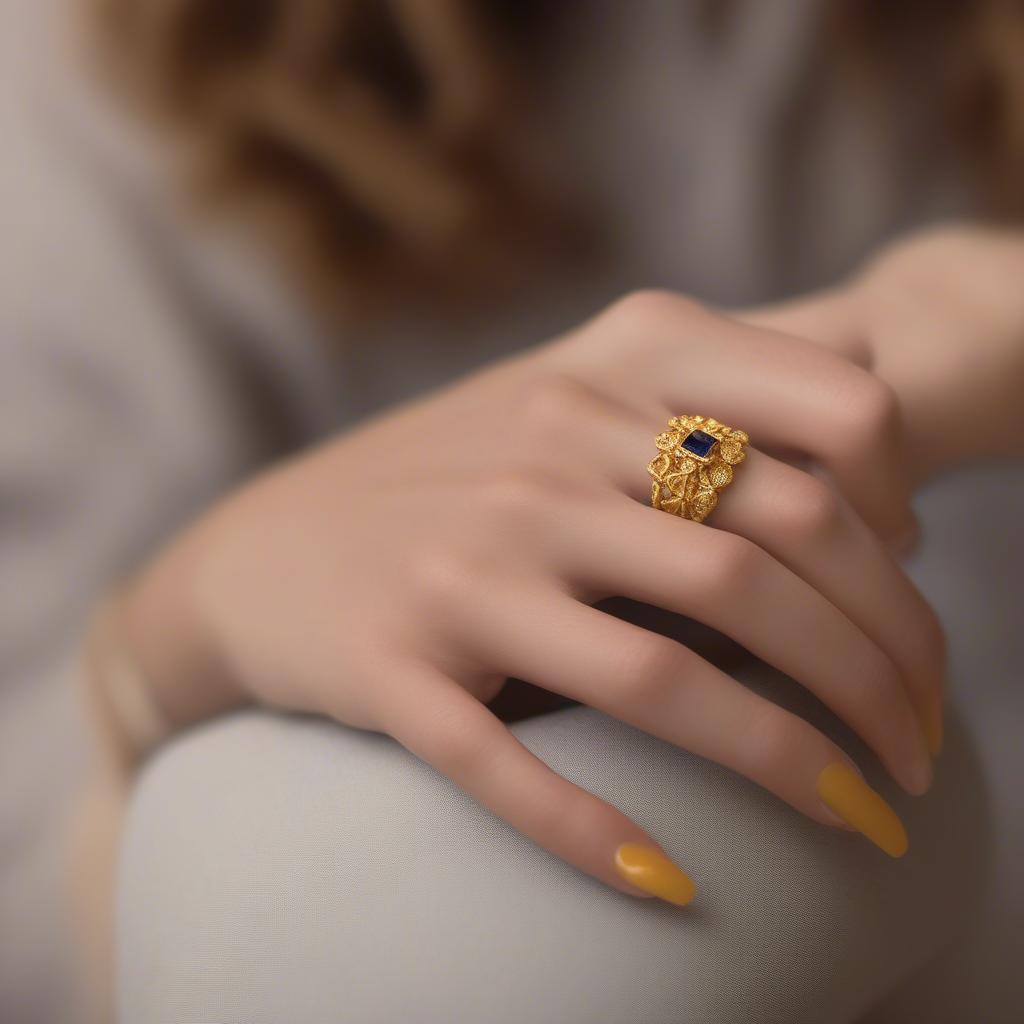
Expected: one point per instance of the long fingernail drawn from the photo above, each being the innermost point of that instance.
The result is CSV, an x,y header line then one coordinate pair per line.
x,y
650,870
843,791
931,724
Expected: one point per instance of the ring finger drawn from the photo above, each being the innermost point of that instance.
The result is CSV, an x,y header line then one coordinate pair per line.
x,y
805,525
658,685
734,586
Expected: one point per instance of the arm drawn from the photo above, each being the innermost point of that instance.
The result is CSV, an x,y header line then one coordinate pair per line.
x,y
940,317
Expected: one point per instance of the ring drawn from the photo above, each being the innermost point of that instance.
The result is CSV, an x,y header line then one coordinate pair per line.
x,y
694,462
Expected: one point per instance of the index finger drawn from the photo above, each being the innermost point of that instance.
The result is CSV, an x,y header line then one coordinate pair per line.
x,y
451,730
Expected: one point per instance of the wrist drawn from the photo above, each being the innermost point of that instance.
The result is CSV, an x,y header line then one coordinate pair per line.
x,y
154,667
126,719
167,627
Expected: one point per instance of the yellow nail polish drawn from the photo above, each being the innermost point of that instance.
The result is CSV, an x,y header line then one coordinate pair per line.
x,y
848,795
931,723
650,870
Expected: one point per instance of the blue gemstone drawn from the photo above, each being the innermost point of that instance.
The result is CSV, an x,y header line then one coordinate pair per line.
x,y
699,443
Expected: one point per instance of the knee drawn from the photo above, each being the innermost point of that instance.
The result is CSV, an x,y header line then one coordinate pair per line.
x,y
273,868
792,921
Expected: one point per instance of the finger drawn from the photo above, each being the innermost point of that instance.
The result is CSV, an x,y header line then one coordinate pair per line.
x,y
656,684
736,587
456,734
787,393
804,524
828,318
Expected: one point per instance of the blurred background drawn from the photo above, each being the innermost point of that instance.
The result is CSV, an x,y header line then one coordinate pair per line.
x,y
232,226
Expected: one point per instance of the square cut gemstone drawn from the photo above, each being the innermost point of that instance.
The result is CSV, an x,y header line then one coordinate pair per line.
x,y
699,443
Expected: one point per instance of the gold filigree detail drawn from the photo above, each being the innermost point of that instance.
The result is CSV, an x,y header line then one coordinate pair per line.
x,y
687,484
731,452
720,475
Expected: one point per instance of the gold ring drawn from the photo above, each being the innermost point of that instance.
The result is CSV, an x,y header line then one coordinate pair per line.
x,y
694,462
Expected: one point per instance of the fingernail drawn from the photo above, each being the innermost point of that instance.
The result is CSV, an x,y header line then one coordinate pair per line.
x,y
931,724
845,793
650,870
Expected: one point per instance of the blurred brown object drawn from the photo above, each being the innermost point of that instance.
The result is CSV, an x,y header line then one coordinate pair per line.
x,y
386,151
375,142
975,56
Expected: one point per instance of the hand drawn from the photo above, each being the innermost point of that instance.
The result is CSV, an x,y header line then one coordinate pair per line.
x,y
395,577
939,316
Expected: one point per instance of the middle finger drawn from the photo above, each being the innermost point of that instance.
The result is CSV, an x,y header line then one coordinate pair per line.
x,y
806,525
734,586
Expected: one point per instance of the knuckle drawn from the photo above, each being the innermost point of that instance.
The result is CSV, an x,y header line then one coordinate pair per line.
x,y
648,308
515,495
635,325
870,410
457,746
809,507
553,396
773,739
734,563
650,667
551,407
440,573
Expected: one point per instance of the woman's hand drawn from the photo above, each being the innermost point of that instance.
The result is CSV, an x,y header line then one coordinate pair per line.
x,y
939,316
395,577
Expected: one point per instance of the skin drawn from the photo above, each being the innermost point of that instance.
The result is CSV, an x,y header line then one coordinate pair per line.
x,y
394,577
939,316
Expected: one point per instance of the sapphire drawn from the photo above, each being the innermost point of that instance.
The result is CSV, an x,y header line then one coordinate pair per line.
x,y
698,443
